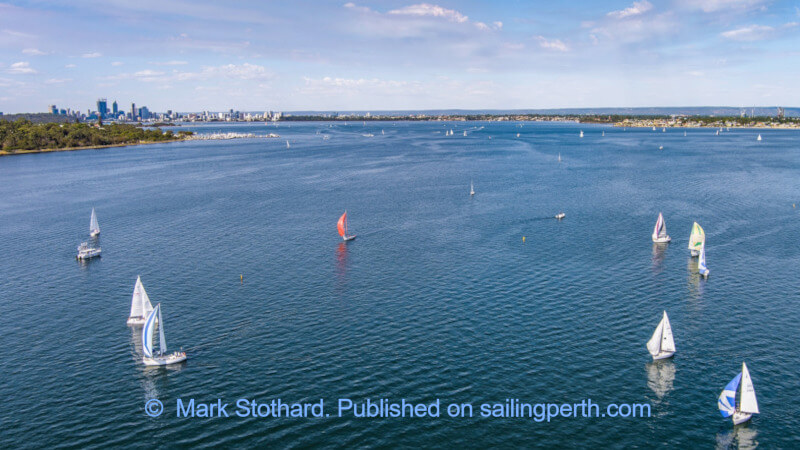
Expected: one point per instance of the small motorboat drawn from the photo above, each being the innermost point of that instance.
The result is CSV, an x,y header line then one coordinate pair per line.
x,y
560,215
86,252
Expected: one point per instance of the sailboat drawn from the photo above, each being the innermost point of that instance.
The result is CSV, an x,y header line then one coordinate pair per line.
x,y
662,345
697,239
382,133
140,304
559,157
742,385
654,128
758,138
684,134
160,358
471,188
465,134
342,227
94,227
604,133
717,132
663,130
581,133
660,231
701,263
287,144
517,134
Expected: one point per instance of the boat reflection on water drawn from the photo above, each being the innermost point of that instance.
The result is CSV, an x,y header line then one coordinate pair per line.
x,y
741,437
659,253
660,376
341,266
694,280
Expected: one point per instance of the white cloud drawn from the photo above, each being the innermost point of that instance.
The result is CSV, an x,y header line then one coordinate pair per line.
x,y
749,33
169,63
635,9
33,51
425,9
58,80
70,66
722,5
92,55
22,68
552,44
117,63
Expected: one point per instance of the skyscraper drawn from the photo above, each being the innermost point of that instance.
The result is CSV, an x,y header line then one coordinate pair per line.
x,y
115,109
133,111
102,107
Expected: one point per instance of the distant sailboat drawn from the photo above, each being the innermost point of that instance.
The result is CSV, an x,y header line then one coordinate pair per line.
x,y
140,304
517,134
287,144
559,157
560,215
471,188
684,134
160,358
697,239
741,384
581,135
660,231
758,138
662,345
382,133
342,227
465,134
717,132
663,130
654,128
94,227
604,133
701,262
661,147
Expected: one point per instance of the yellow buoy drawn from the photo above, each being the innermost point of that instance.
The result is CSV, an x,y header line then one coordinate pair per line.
x,y
523,238
241,278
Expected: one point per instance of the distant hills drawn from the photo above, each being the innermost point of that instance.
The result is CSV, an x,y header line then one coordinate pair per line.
x,y
760,111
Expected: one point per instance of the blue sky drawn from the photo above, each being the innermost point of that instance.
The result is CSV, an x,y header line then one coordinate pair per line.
x,y
190,55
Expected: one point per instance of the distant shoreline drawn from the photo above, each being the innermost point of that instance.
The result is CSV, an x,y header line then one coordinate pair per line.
x,y
88,147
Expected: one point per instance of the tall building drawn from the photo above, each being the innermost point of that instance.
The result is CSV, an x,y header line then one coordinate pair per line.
x,y
115,109
133,111
102,107
53,109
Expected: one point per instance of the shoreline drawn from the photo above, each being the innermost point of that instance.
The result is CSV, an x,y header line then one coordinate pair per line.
x,y
88,147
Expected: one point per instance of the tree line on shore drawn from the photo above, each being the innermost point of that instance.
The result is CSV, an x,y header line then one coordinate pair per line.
x,y
25,135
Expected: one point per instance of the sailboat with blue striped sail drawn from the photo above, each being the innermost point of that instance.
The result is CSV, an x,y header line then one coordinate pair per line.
x,y
151,357
742,386
701,262
697,239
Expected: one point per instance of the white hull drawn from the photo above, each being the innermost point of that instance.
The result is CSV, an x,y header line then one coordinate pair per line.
x,y
172,358
740,417
137,320
88,254
663,355
560,216
663,240
694,252
348,238
94,234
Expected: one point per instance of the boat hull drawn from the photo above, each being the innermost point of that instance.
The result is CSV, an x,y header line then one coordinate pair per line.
x,y
173,358
88,255
663,355
694,252
560,216
137,321
348,238
94,234
740,417
663,240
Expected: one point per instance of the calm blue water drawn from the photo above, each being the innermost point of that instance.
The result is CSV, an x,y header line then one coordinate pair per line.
x,y
437,298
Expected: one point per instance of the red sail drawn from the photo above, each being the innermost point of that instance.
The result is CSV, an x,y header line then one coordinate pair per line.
x,y
342,224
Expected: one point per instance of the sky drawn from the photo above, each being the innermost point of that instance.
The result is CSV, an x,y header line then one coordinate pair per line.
x,y
195,55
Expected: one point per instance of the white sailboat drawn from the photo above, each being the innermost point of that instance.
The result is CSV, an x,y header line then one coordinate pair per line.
x,y
287,144
471,188
660,231
465,134
140,304
684,134
662,345
581,135
559,157
94,227
701,262
742,385
697,239
759,137
517,134
663,130
654,128
151,357
604,134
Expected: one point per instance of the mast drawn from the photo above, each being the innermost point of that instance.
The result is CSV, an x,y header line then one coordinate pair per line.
x,y
162,340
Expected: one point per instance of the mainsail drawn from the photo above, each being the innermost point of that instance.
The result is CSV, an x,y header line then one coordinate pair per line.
x,y
140,303
749,404
654,344
94,227
342,225
662,340
698,237
147,331
660,230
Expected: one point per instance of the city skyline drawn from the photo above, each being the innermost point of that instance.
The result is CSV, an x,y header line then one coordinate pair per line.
x,y
394,55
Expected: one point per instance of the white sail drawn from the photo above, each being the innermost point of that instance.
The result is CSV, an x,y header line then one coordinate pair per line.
x,y
654,344
94,227
667,341
581,133
287,144
162,339
698,237
660,230
759,138
748,404
471,188
147,332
